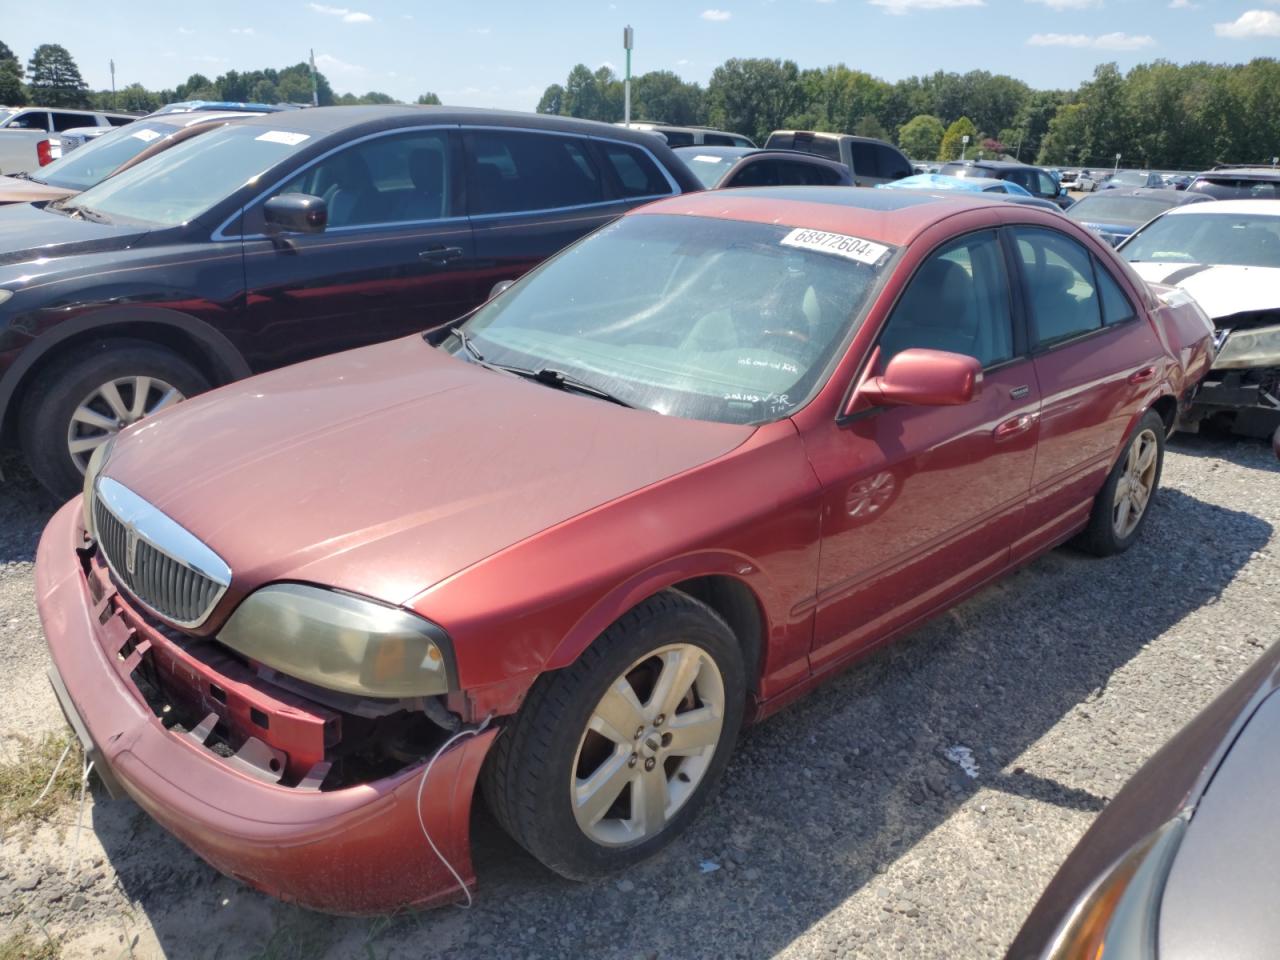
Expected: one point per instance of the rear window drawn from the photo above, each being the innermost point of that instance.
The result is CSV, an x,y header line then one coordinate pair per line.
x,y
511,172
119,121
635,171
819,146
1100,208
677,138
890,163
1236,188
82,168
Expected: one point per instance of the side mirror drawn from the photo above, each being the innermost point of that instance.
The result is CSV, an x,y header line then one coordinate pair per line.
x,y
922,378
295,213
498,287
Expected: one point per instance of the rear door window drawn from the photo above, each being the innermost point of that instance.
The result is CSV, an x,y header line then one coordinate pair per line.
x,y
634,172
30,120
865,162
65,121
1061,289
509,172
890,163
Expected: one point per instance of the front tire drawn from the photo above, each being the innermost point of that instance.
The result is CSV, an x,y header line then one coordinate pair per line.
x,y
611,758
1121,507
85,398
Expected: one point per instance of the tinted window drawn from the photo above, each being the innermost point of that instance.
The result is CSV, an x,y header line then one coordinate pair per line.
x,y
635,171
1048,187
119,121
678,138
718,140
783,173
865,163
510,172
1026,179
957,301
1060,285
65,121
890,163
827,147
384,180
31,120
1116,307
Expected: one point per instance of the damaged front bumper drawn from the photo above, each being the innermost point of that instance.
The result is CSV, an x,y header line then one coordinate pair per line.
x,y
258,813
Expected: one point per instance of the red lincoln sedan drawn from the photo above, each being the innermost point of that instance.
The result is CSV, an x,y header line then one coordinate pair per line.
x,y
565,547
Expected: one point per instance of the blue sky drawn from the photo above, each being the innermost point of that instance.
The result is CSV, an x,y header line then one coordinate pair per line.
x,y
503,54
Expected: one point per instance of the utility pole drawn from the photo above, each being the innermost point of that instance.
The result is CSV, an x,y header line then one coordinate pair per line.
x,y
628,39
315,85
964,147
115,104
1117,169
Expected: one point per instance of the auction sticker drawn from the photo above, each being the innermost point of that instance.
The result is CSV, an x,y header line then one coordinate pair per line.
x,y
838,244
145,135
283,136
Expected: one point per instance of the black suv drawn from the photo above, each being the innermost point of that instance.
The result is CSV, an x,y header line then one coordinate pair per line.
x,y
1037,182
1228,182
279,238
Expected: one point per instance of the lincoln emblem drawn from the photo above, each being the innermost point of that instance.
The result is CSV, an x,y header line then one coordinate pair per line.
x,y
130,549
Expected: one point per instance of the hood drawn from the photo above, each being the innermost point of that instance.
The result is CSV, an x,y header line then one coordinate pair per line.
x,y
18,190
29,232
1222,291
385,470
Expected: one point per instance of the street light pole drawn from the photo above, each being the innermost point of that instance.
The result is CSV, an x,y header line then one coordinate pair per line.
x,y
964,146
1117,169
628,39
115,104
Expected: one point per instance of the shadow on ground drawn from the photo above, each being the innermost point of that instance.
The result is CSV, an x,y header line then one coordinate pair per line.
x,y
816,800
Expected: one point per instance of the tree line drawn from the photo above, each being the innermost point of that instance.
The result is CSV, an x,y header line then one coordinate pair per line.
x,y
1160,115
52,79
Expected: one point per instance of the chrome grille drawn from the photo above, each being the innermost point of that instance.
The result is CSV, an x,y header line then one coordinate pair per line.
x,y
182,582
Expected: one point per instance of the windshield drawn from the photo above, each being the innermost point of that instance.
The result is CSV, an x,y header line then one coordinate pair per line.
x,y
95,161
1104,209
1243,240
688,316
707,167
183,182
1130,178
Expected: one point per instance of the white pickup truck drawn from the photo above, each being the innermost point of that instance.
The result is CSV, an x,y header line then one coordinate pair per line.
x,y
23,128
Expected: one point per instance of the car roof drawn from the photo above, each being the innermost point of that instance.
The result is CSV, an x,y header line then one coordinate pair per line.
x,y
887,216
1244,173
322,121
995,164
720,153
1263,208
1153,193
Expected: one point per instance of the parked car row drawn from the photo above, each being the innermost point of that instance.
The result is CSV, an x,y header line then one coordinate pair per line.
x,y
24,130
303,617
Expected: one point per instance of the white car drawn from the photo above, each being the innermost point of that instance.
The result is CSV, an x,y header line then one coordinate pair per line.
x,y
1225,254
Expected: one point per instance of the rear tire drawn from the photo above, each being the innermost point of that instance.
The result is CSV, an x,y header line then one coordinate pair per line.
x,y
1120,510
588,798
60,404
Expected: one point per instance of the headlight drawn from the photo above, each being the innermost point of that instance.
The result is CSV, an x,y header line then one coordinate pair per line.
x,y
96,462
5,295
341,642
1118,915
1259,347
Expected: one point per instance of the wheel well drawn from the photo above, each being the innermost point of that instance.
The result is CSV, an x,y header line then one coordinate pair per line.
x,y
737,605
1167,407
161,334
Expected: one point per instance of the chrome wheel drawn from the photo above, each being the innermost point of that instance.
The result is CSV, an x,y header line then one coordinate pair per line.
x,y
1133,492
112,407
648,745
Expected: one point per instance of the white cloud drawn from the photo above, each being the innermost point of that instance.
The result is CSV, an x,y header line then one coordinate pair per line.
x,y
483,31
826,1
329,62
243,31
1068,4
186,31
1251,23
1183,5
1107,41
900,7
682,62
716,16
348,16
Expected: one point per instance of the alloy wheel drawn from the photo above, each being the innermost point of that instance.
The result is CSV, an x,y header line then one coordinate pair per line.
x,y
647,745
110,408
1133,491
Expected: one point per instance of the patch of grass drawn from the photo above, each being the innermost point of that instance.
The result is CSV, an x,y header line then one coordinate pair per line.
x,y
25,945
23,778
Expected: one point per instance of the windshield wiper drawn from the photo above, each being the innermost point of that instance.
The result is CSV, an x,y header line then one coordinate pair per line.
x,y
86,213
468,344
546,375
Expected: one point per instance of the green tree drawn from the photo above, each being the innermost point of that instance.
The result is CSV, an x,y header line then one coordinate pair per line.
x,y
55,79
582,97
921,136
754,96
8,56
137,97
428,100
1065,141
552,100
11,90
661,95
953,140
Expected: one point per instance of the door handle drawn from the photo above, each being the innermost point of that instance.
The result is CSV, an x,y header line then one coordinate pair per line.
x,y
1020,393
1015,426
1143,375
440,254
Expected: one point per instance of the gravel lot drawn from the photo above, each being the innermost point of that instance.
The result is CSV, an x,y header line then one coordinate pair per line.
x,y
842,829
